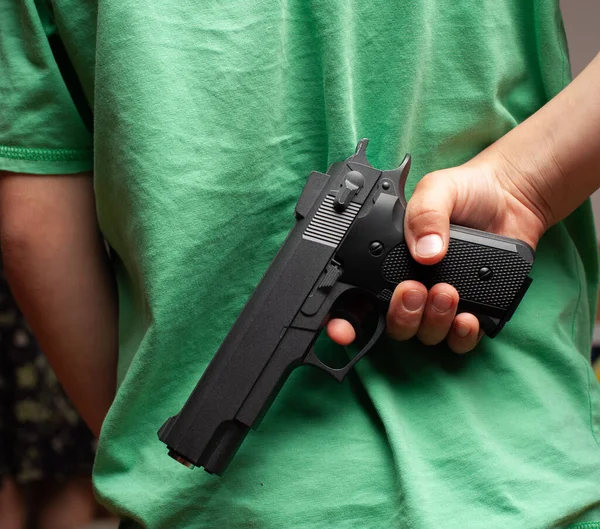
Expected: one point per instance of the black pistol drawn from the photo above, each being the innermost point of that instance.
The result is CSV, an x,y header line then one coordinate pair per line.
x,y
348,236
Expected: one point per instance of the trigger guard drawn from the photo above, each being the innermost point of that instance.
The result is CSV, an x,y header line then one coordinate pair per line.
x,y
340,374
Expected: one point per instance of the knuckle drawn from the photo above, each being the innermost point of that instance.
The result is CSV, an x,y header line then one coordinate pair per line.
x,y
401,325
401,319
461,345
424,217
430,180
423,210
455,345
441,306
430,338
434,328
444,288
454,348
399,336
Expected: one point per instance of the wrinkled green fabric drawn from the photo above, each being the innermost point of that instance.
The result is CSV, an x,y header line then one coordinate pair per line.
x,y
208,118
40,130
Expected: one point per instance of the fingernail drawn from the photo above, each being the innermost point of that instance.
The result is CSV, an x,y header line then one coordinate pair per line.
x,y
429,246
413,300
442,302
462,329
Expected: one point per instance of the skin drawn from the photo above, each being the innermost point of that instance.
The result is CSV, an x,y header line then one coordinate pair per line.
x,y
521,185
61,505
69,505
12,505
58,270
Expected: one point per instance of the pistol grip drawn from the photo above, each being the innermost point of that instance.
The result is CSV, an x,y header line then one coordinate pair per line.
x,y
490,273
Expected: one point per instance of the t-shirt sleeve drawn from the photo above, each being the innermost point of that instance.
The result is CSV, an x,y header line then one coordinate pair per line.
x,y
41,131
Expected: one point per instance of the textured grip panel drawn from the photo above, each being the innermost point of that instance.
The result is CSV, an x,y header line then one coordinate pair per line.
x,y
460,268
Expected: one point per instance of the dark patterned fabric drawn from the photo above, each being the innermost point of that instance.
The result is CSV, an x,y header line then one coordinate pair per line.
x,y
41,435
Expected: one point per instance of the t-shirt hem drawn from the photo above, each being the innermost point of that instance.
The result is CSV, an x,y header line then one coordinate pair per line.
x,y
585,525
45,161
34,154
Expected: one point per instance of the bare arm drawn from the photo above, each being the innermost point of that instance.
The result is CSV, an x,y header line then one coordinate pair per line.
x,y
519,186
58,271
552,160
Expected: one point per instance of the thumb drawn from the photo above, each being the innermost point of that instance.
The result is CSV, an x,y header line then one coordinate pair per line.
x,y
427,217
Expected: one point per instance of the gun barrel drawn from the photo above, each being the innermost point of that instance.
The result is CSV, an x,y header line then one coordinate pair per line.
x,y
208,431
264,345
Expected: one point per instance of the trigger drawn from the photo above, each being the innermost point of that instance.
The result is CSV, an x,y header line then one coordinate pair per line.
x,y
339,374
352,320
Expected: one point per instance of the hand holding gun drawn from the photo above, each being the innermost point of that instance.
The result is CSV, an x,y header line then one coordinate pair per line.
x,y
348,236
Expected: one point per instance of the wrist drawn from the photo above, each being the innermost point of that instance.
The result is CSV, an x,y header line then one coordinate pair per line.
x,y
515,208
532,179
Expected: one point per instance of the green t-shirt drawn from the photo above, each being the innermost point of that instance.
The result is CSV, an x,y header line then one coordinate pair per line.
x,y
208,117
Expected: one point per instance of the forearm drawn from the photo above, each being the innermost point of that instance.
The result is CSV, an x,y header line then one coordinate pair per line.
x,y
553,158
519,186
58,271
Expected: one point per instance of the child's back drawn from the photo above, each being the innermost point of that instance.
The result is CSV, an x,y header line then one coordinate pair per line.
x,y
208,118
